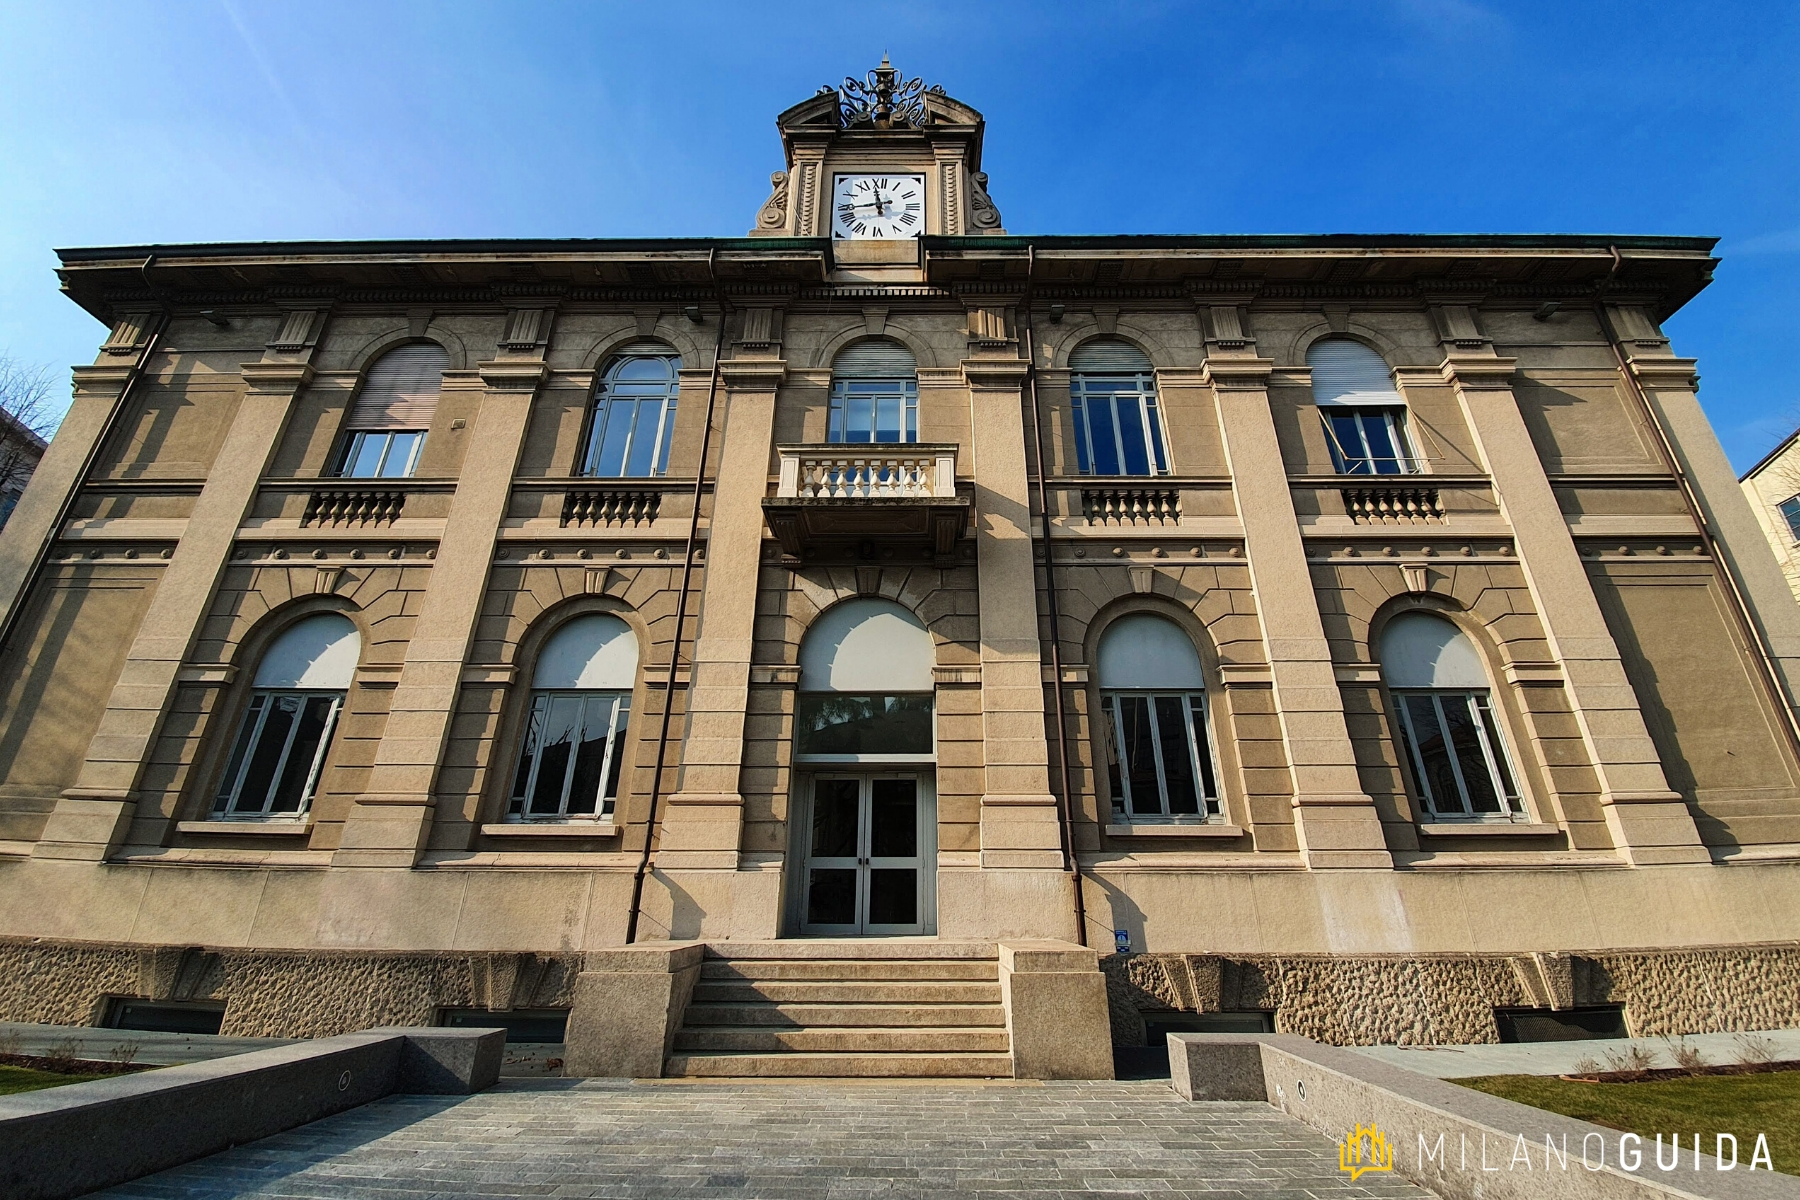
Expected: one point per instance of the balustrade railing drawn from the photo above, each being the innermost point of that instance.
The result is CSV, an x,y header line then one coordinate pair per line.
x,y
1131,506
358,506
1383,505
866,472
610,507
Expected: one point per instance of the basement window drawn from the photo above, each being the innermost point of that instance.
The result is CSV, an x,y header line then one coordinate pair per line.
x,y
521,1024
165,1016
1561,1025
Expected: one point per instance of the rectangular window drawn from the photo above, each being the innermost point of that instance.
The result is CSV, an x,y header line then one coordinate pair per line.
x,y
845,726
1118,427
1790,512
873,410
1368,440
1159,756
381,454
574,750
274,767
1453,742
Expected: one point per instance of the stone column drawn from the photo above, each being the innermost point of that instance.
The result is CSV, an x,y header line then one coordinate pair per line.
x,y
1335,820
1648,821
92,816
392,818
702,823
1670,385
98,390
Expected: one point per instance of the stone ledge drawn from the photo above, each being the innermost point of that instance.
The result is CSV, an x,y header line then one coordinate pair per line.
x,y
273,827
552,829
1189,831
1487,829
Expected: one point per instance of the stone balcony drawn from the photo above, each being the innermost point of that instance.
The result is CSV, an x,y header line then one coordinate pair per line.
x,y
867,500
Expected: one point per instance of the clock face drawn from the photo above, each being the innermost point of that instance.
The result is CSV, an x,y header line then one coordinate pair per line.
x,y
878,206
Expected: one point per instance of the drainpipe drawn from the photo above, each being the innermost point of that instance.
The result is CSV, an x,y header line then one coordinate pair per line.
x,y
681,603
107,429
1070,863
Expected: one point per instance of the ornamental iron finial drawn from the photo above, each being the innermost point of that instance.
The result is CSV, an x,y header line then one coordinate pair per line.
x,y
880,100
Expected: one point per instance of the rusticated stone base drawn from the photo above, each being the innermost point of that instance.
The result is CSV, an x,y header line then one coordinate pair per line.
x,y
1449,999
275,993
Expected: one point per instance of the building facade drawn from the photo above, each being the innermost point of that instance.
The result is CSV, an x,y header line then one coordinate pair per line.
x,y
1362,634
1773,488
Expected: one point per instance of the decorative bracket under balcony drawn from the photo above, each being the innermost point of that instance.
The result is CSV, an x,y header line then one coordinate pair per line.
x,y
858,499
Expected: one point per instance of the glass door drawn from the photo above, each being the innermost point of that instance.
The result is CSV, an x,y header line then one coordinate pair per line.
x,y
866,868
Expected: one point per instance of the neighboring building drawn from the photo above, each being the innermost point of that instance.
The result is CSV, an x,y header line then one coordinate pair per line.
x,y
1384,648
1773,487
20,450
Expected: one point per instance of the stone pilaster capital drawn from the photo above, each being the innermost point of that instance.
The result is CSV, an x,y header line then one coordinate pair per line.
x,y
102,378
752,374
513,375
276,378
995,374
1660,372
1478,372
1228,373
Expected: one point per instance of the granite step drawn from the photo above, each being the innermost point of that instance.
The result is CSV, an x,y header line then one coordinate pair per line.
x,y
801,1016
845,992
740,1039
851,970
840,1066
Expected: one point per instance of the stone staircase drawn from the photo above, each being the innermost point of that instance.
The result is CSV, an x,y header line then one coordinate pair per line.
x,y
891,1009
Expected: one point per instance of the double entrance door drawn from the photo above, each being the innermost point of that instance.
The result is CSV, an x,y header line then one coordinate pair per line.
x,y
870,859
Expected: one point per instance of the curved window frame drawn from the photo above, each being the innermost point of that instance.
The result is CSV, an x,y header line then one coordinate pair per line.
x,y
831,702
605,440
1136,723
603,710
283,740
1366,429
384,431
1477,781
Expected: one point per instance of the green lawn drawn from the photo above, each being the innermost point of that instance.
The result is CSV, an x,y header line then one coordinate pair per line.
x,y
23,1079
1744,1105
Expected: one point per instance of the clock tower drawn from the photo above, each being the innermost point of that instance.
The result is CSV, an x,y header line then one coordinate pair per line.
x,y
876,162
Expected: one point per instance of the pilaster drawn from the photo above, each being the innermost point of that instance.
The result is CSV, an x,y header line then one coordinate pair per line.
x,y
392,818
1648,821
702,826
92,816
1335,820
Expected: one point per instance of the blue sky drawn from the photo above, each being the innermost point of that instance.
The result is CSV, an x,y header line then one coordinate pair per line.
x,y
222,120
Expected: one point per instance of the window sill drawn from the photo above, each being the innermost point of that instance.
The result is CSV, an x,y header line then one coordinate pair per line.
x,y
1188,831
551,829
273,827
1487,829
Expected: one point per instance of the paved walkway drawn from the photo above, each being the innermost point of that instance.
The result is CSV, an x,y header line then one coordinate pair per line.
x,y
790,1141
1561,1058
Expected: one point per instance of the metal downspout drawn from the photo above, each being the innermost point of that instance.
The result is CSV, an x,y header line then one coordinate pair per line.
x,y
681,602
1067,805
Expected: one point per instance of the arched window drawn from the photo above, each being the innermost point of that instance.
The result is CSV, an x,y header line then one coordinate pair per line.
x,y
1365,418
1447,722
634,413
1118,429
580,706
1159,756
298,691
874,393
387,424
865,685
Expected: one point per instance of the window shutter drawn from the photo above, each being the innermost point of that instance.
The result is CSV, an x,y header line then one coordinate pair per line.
x,y
875,358
1109,356
1347,372
401,391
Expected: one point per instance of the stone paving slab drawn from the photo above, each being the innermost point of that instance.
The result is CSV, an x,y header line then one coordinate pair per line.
x,y
786,1141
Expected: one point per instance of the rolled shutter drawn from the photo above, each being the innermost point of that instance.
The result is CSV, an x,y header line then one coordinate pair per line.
x,y
1347,372
401,391
1109,356
875,358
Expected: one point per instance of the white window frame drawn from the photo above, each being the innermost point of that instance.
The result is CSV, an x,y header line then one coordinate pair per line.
x,y
603,405
360,437
1205,771
1395,417
1149,412
618,730
1790,512
227,804
906,391
1501,772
